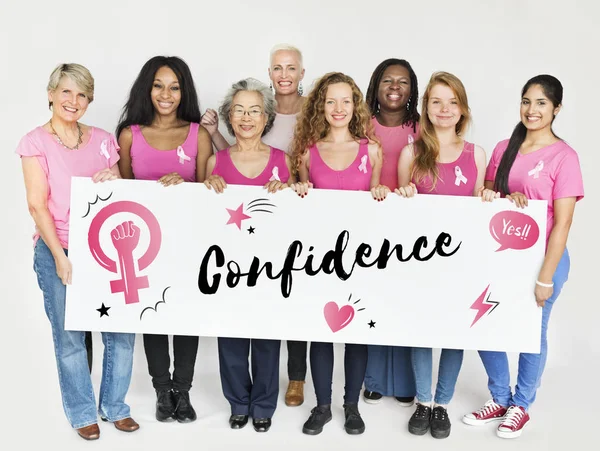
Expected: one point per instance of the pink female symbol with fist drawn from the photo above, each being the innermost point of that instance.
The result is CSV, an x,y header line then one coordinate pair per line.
x,y
125,238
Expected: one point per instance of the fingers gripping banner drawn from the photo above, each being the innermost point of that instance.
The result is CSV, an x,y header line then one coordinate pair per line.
x,y
334,266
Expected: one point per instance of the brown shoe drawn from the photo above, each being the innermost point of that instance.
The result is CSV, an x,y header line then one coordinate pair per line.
x,y
127,425
295,394
91,432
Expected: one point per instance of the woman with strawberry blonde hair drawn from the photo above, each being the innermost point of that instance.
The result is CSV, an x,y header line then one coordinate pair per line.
x,y
440,162
334,148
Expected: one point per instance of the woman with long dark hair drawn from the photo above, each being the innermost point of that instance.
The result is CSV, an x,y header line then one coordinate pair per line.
x,y
161,139
334,148
533,164
392,98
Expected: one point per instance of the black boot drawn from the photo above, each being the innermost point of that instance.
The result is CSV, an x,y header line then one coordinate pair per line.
x,y
319,417
354,424
184,412
165,405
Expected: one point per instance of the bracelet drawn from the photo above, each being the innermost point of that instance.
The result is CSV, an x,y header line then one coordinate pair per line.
x,y
545,285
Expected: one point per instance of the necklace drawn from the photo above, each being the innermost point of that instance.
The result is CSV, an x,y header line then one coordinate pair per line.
x,y
79,140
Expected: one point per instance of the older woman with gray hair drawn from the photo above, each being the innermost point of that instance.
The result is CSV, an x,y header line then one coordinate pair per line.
x,y
249,111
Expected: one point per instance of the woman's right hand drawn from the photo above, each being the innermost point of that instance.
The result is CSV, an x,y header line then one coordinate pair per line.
x,y
487,195
210,121
215,182
406,191
64,270
301,188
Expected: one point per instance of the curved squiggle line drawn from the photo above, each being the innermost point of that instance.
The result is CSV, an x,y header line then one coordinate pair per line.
x,y
89,205
155,305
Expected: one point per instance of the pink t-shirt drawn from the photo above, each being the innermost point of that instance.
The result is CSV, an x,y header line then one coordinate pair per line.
x,y
148,163
356,177
60,164
550,173
454,179
393,140
282,133
276,169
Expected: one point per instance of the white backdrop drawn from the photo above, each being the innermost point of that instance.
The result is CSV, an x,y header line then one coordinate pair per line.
x,y
494,47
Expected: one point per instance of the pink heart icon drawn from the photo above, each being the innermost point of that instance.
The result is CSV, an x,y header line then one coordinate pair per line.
x,y
338,318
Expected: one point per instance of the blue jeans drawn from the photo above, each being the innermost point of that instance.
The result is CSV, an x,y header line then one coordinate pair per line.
x,y
71,355
450,363
531,366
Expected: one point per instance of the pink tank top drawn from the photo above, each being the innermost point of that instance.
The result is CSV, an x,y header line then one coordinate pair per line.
x,y
356,177
455,179
276,169
149,163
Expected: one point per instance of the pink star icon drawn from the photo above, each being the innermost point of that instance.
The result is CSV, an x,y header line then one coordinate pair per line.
x,y
237,216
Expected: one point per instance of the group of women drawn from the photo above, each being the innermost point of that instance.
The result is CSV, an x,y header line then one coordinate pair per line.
x,y
333,138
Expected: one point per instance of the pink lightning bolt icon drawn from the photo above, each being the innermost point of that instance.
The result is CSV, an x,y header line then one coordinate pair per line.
x,y
483,306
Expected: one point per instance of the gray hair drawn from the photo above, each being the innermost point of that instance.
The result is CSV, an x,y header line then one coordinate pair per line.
x,y
249,84
289,48
76,72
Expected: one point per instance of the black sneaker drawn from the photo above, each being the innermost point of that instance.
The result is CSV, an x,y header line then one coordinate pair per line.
x,y
419,422
440,423
372,397
405,401
319,417
165,405
354,424
184,412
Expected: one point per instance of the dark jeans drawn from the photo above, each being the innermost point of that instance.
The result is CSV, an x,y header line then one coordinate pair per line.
x,y
88,348
296,360
185,349
321,368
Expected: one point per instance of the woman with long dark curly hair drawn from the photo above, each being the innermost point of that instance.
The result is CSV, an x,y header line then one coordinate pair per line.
x,y
334,148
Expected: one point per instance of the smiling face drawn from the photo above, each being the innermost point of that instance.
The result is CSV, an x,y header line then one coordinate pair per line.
x,y
286,72
339,105
537,110
394,89
69,101
165,93
247,116
443,109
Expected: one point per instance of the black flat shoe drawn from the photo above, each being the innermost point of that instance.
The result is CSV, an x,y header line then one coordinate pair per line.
x,y
184,412
319,417
261,424
354,424
238,421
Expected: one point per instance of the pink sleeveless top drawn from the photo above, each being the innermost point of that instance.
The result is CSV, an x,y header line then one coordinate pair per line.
x,y
393,140
149,163
455,179
356,177
276,169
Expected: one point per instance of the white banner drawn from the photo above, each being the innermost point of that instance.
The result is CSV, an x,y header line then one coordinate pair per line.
x,y
335,266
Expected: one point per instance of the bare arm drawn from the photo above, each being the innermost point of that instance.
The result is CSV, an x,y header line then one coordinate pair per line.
x,y
303,170
125,140
376,159
563,217
480,163
210,166
288,162
204,153
219,141
404,162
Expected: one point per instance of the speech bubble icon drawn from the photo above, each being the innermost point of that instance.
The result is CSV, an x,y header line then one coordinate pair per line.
x,y
514,230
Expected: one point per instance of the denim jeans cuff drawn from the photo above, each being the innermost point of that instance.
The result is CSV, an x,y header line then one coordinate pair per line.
x,y
84,424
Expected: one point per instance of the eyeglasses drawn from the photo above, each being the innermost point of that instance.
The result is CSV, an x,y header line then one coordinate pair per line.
x,y
240,112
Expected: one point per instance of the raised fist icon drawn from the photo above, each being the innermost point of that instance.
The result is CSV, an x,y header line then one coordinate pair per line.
x,y
125,237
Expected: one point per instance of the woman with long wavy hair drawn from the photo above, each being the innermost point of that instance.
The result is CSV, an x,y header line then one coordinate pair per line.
x,y
441,161
334,148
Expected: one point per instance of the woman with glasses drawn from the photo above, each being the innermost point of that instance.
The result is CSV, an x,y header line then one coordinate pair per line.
x,y
249,111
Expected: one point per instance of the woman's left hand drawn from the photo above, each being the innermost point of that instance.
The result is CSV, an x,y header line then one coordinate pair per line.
x,y
275,185
380,192
171,179
542,294
104,176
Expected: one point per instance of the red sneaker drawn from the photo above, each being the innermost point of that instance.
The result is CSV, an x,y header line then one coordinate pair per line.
x,y
486,414
515,420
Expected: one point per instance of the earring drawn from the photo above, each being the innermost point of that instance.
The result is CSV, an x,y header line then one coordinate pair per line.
x,y
300,89
408,104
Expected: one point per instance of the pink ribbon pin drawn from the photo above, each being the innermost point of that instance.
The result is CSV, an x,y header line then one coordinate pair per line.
x,y
411,139
459,176
275,174
535,172
182,156
363,164
104,150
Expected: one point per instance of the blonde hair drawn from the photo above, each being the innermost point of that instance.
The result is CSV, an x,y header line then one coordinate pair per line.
x,y
76,72
286,47
312,126
427,147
